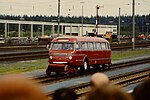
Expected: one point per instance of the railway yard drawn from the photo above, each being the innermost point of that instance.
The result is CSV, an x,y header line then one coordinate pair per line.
x,y
74,50
126,72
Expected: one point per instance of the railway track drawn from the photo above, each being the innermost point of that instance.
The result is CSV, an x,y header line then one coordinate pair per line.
x,y
44,79
122,80
36,47
24,56
38,54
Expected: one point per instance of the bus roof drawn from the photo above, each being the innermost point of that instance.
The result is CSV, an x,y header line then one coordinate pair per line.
x,y
79,39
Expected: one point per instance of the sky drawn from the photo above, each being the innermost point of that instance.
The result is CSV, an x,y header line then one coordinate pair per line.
x,y
49,7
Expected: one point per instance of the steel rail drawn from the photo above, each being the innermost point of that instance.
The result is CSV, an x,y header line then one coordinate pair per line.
x,y
36,47
121,80
44,79
32,55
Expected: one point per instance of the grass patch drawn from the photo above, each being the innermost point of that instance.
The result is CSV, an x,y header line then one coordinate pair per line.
x,y
23,66
129,54
42,64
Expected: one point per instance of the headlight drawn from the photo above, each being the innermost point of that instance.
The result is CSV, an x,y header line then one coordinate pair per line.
x,y
50,57
70,57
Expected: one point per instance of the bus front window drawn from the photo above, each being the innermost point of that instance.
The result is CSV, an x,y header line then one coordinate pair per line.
x,y
62,46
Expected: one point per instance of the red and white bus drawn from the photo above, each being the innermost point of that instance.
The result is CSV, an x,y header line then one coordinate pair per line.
x,y
71,54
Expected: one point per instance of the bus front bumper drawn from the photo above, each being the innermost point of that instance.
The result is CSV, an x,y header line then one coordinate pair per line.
x,y
57,67
62,68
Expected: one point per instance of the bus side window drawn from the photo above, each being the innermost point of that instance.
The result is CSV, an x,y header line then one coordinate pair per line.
x,y
83,45
103,46
90,46
98,46
77,46
86,46
106,47
94,44
70,47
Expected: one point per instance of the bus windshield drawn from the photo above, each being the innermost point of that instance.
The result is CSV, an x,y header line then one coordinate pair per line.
x,y
62,46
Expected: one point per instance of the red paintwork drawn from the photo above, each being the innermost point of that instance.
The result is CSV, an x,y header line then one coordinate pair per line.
x,y
78,56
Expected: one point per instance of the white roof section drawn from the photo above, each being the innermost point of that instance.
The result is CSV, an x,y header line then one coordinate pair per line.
x,y
53,23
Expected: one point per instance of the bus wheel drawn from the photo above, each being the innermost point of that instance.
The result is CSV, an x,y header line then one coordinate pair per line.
x,y
103,66
85,66
98,67
48,71
109,65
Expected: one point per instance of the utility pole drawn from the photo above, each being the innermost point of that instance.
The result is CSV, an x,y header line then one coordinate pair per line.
x,y
119,26
97,8
58,18
82,16
97,18
69,15
133,15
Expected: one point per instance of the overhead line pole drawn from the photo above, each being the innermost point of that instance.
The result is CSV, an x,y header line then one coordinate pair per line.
x,y
133,15
119,26
82,17
147,30
58,18
97,18
97,8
